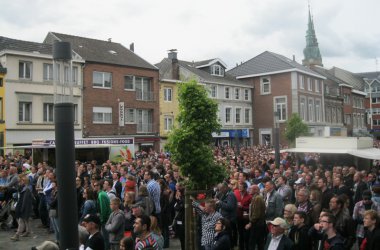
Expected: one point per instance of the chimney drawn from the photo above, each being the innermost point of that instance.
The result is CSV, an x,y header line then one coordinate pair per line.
x,y
294,58
109,39
172,55
132,47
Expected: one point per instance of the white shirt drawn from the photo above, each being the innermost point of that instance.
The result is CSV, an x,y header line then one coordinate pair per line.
x,y
274,242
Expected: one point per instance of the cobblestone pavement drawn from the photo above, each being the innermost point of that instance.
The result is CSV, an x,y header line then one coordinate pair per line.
x,y
39,235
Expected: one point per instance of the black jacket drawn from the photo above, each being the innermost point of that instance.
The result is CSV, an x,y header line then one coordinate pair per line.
x,y
221,241
285,243
373,239
300,238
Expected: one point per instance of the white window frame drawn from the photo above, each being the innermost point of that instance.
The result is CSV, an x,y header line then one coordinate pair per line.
x,y
249,116
230,115
275,104
238,121
263,84
168,123
310,106
105,112
318,110
217,70
302,81
102,86
168,94
227,93
23,107
214,91
303,108
237,93
48,112
309,84
247,95
47,71
74,75
130,118
22,72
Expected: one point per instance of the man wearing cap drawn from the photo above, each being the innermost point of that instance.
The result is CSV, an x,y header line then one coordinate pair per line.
x,y
276,239
95,240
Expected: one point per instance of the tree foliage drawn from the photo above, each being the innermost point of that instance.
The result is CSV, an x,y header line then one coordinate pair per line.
x,y
190,144
295,127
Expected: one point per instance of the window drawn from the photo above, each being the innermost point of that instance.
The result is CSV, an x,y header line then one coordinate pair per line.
x,y
238,115
311,110
1,109
129,83
309,84
317,86
168,94
247,116
25,112
318,111
130,116
144,120
48,112
302,82
303,113
226,92
347,119
214,91
74,76
228,115
76,113
25,70
48,72
375,99
280,108
328,114
237,93
102,115
346,99
168,120
246,95
333,115
102,79
217,70
265,86
376,122
143,88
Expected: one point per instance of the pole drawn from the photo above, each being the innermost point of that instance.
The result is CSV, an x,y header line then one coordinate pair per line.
x,y
65,163
276,139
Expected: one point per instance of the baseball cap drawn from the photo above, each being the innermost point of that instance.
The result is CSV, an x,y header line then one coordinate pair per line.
x,y
26,165
92,218
300,181
279,222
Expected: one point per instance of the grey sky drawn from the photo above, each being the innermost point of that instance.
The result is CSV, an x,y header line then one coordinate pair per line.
x,y
235,31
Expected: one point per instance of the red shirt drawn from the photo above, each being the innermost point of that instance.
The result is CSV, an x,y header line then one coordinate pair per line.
x,y
244,200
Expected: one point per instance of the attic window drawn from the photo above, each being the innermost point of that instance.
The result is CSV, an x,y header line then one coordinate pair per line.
x,y
80,46
217,70
113,52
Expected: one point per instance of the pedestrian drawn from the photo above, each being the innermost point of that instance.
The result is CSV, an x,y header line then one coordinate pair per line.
x,y
221,239
144,239
299,232
95,240
115,224
104,209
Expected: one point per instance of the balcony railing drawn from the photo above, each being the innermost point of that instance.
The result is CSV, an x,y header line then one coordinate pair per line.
x,y
144,128
144,95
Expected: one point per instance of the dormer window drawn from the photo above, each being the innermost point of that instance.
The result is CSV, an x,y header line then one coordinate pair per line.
x,y
217,70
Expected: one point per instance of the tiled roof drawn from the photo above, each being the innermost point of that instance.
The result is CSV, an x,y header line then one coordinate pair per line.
x,y
369,75
100,51
267,62
325,72
348,77
24,46
166,73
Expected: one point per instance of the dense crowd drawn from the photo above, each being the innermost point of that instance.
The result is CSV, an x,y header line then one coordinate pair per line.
x,y
139,203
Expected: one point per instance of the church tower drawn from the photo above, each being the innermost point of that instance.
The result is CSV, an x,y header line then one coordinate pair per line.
x,y
312,55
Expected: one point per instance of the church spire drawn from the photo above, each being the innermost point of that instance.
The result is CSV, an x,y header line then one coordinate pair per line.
x,y
311,52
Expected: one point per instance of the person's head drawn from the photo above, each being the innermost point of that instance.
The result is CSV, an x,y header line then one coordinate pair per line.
x,y
115,204
243,187
327,222
78,182
127,243
371,219
234,184
89,194
137,210
281,180
107,184
315,196
242,177
129,197
98,185
148,175
143,191
357,177
338,180
302,195
254,190
299,218
278,226
210,206
91,223
336,203
141,225
367,196
115,176
289,211
221,225
269,186
322,183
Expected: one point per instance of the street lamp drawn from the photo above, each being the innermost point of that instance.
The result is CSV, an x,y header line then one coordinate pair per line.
x,y
64,146
276,138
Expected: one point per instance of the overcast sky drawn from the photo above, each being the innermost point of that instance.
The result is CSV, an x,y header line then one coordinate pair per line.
x,y
235,31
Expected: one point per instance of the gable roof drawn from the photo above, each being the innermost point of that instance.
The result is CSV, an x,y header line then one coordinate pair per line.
x,y
325,72
165,69
269,63
348,77
369,75
25,46
93,50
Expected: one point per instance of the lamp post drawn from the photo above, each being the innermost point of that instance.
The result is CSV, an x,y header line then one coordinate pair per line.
x,y
64,141
276,138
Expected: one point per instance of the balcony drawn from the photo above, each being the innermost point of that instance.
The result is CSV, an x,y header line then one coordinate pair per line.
x,y
144,128
144,95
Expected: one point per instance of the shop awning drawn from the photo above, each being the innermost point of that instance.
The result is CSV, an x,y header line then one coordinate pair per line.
x,y
369,153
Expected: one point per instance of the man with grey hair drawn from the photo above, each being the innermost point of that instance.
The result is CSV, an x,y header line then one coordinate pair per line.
x,y
276,239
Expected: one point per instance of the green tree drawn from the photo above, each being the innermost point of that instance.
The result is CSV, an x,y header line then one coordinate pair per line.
x,y
295,127
190,144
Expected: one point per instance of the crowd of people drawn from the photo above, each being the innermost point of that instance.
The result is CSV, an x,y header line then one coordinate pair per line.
x,y
139,204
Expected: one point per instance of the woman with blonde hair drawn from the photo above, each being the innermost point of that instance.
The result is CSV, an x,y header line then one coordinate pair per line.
x,y
156,232
289,211
129,201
